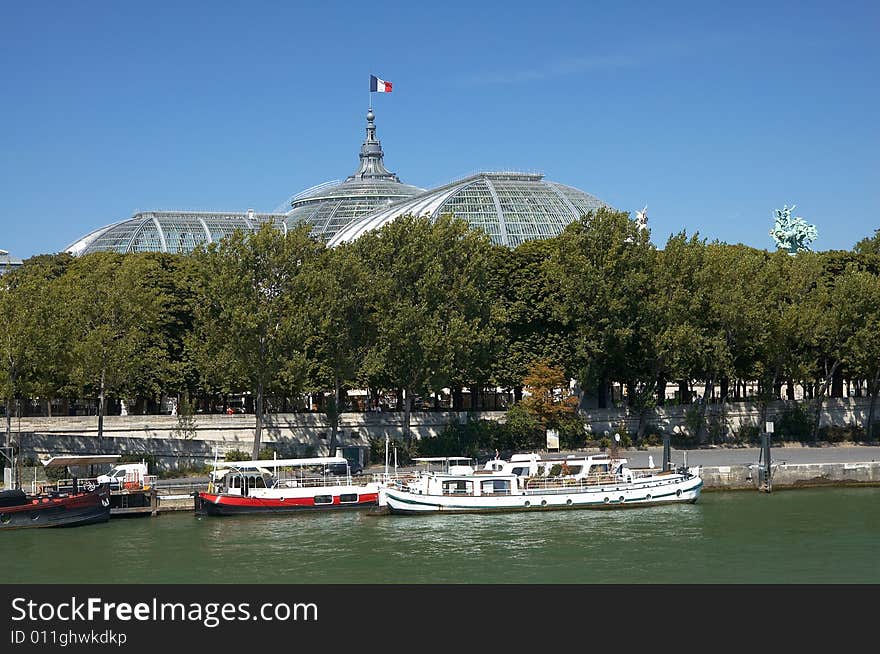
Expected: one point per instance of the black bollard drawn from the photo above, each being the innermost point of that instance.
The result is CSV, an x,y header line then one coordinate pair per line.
x,y
765,452
667,454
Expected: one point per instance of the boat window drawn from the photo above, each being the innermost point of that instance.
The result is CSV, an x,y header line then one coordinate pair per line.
x,y
574,470
458,487
496,486
235,481
520,472
348,497
323,499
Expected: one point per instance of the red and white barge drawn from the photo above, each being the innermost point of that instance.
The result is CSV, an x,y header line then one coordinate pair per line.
x,y
285,486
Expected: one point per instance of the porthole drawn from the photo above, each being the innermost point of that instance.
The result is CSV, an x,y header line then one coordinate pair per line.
x,y
678,493
568,501
607,499
621,498
543,502
648,497
528,504
5,518
35,516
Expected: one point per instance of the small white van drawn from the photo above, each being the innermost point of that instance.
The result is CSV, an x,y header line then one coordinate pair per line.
x,y
127,475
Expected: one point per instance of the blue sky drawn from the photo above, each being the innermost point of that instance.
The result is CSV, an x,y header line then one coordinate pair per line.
x,y
712,114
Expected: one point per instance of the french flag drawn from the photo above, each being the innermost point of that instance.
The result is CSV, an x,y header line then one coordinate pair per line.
x,y
379,85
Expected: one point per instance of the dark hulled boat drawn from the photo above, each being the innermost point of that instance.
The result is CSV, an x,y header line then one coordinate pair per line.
x,y
19,510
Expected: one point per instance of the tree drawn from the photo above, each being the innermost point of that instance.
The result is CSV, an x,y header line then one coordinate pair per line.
x,y
29,331
846,325
686,346
604,267
250,325
529,319
551,401
114,313
431,302
869,245
338,300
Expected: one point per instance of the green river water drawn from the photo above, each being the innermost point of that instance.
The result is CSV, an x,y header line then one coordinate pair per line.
x,y
803,536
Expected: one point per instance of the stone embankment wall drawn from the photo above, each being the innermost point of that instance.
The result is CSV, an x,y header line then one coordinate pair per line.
x,y
733,415
290,435
792,475
300,434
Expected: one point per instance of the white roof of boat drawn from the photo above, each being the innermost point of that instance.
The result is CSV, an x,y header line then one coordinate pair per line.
x,y
81,460
282,463
437,459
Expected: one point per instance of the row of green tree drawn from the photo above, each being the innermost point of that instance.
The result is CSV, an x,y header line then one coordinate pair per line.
x,y
423,306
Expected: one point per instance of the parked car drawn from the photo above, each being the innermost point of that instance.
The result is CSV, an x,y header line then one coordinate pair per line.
x,y
341,469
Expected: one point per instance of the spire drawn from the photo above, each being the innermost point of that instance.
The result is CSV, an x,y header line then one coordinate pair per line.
x,y
372,164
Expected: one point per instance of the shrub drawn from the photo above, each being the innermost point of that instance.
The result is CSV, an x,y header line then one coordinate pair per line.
x,y
626,438
748,433
693,418
405,453
841,434
524,429
794,424
471,439
236,455
572,433
717,429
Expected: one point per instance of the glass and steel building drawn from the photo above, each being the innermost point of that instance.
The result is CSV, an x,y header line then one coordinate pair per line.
x,y
331,206
170,231
8,263
510,207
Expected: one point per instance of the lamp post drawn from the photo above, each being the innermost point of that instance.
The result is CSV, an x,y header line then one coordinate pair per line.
x,y
8,461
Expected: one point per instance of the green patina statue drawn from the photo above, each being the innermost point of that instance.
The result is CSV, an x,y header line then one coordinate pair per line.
x,y
792,234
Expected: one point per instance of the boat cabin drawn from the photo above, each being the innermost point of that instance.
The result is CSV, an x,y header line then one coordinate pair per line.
x,y
233,481
572,466
471,485
240,477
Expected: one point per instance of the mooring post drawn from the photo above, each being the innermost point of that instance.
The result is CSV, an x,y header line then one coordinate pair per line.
x,y
765,452
667,454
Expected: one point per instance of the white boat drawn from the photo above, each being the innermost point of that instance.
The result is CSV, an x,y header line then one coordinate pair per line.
x,y
284,486
532,483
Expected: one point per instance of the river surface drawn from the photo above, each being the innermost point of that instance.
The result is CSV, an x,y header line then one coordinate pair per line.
x,y
802,536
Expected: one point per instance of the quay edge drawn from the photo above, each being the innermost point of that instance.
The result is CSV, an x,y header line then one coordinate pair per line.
x,y
792,475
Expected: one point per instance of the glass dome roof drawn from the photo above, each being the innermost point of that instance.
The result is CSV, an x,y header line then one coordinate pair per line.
x,y
331,206
169,231
510,207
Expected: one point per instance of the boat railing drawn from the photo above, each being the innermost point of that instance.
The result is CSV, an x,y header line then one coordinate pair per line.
x,y
300,482
67,485
570,483
470,493
391,478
